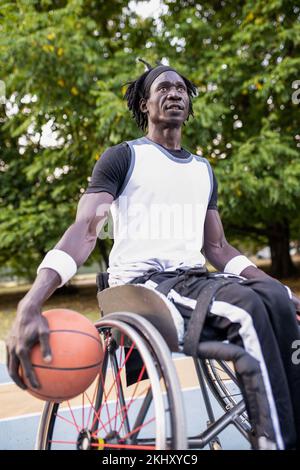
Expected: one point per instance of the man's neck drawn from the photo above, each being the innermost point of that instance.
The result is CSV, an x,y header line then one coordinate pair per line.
x,y
169,138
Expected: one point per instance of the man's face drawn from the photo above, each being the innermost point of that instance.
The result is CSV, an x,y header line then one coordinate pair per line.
x,y
168,100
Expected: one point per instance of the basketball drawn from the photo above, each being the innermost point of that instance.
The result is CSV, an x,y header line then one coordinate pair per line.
x,y
76,357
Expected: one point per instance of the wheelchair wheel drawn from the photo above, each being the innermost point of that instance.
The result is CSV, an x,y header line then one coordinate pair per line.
x,y
223,383
128,407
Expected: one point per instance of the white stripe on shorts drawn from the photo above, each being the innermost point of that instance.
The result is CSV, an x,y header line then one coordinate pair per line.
x,y
181,300
250,339
252,346
176,315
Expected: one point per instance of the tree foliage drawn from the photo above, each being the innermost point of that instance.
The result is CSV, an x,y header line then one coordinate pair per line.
x,y
244,58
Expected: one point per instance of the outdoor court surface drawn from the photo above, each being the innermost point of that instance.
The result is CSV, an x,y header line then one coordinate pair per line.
x,y
20,412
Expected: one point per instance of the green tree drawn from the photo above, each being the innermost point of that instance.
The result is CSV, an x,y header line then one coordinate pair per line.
x,y
56,59
72,58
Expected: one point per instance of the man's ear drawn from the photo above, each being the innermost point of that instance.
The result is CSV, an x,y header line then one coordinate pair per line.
x,y
143,105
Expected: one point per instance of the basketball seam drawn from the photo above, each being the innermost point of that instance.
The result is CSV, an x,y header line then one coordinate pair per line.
x,y
76,331
56,399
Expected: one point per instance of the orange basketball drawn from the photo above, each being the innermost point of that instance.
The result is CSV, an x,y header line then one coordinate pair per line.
x,y
77,356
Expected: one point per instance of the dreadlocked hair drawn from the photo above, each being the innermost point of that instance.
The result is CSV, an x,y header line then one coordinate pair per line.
x,y
134,94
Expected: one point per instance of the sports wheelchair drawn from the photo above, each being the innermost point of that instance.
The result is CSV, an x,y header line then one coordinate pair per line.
x,y
136,401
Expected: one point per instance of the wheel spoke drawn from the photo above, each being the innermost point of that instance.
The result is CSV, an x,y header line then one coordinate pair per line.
x,y
132,400
229,395
83,410
219,375
112,386
124,446
134,431
118,380
98,412
73,417
97,417
97,386
105,400
67,420
123,408
122,367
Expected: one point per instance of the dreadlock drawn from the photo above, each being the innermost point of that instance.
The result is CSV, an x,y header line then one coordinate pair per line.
x,y
136,91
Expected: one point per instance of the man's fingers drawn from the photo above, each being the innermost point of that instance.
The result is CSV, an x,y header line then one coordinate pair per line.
x,y
27,367
44,340
13,364
45,347
7,356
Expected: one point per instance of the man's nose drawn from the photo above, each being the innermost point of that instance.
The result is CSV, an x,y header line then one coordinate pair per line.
x,y
173,93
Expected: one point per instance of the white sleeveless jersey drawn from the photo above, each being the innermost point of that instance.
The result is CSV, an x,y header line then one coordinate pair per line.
x,y
158,218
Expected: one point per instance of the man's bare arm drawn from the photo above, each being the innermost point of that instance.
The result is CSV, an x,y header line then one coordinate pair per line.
x,y
217,249
30,326
219,252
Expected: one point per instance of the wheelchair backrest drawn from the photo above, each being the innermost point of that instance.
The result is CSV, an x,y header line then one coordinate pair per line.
x,y
142,301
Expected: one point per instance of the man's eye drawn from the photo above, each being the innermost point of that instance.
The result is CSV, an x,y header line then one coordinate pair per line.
x,y
163,88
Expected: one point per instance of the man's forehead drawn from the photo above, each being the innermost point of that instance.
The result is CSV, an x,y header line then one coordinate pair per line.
x,y
168,76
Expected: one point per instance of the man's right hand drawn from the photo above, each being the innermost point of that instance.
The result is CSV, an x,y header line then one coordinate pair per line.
x,y
29,328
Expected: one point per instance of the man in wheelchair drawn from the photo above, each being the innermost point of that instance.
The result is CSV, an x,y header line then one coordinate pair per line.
x,y
163,202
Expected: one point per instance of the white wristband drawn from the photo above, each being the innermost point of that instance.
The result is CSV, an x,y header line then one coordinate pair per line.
x,y
237,264
61,262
